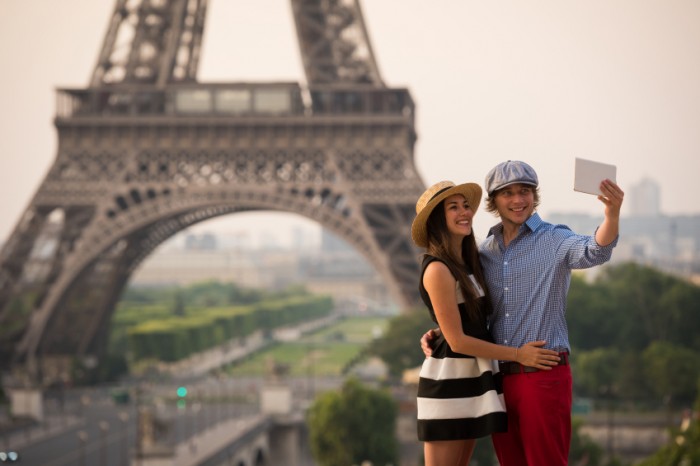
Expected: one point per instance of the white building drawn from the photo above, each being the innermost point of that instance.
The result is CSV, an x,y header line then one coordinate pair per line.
x,y
645,199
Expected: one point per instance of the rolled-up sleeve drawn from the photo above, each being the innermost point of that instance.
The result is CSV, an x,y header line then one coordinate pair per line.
x,y
583,251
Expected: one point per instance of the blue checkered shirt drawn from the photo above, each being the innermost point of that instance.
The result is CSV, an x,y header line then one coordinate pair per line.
x,y
528,281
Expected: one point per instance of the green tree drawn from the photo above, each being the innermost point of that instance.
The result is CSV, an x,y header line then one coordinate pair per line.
x,y
672,371
595,370
399,347
610,371
353,425
630,306
591,315
654,306
681,302
147,295
179,304
631,378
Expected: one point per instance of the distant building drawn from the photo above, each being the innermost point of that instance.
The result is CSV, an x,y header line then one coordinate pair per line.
x,y
332,267
184,267
201,242
332,243
645,199
670,243
304,238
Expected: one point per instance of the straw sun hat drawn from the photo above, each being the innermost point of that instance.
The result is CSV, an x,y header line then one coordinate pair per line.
x,y
432,197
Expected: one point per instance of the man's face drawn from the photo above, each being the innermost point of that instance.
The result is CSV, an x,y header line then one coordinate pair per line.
x,y
515,203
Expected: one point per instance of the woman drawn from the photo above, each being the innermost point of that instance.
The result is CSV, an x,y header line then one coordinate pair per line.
x,y
459,392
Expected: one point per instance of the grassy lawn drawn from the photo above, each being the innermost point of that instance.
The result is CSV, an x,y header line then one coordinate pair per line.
x,y
325,352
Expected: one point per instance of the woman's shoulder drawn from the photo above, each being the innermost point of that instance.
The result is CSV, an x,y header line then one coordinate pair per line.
x,y
437,270
428,260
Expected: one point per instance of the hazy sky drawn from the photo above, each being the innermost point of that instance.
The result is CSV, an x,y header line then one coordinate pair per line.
x,y
543,81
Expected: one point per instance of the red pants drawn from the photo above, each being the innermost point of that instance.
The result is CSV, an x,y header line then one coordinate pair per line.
x,y
539,419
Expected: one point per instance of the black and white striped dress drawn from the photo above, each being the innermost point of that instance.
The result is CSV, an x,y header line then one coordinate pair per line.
x,y
459,396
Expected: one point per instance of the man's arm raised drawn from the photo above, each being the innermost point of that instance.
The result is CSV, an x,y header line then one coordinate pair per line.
x,y
612,198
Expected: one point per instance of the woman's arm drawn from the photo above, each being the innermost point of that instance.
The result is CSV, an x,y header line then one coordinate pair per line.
x,y
441,285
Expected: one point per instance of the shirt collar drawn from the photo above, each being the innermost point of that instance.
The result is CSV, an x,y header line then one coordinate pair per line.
x,y
532,223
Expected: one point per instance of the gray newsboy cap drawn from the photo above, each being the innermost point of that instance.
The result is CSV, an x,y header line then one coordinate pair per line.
x,y
507,173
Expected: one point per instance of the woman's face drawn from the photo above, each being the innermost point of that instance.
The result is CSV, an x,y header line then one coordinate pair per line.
x,y
458,216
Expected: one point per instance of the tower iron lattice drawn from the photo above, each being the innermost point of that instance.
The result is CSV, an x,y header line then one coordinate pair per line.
x,y
146,151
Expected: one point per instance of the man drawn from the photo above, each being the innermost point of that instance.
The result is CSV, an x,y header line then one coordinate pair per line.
x,y
527,264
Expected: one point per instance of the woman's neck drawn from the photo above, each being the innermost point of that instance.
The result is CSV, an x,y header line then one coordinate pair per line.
x,y
456,250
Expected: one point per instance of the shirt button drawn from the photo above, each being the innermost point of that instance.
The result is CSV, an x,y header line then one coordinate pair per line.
x,y
505,341
505,288
505,262
507,315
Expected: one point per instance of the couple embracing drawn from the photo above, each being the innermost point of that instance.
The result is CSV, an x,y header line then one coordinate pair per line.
x,y
498,363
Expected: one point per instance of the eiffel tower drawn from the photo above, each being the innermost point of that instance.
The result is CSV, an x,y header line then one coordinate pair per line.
x,y
146,151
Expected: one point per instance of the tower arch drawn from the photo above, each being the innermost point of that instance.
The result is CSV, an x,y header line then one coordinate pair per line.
x,y
147,151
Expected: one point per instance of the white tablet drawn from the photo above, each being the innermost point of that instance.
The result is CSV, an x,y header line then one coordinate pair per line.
x,y
589,174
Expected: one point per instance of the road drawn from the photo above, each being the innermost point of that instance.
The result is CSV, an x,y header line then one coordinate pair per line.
x,y
89,428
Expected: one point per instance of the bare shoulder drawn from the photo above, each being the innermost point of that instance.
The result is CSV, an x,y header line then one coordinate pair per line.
x,y
437,271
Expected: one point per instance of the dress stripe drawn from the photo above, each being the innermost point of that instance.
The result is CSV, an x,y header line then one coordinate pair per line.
x,y
453,408
460,388
438,368
451,429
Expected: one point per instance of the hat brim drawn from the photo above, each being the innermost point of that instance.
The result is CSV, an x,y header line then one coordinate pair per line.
x,y
419,231
510,183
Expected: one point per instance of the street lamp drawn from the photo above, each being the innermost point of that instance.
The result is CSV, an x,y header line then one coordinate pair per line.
x,y
82,437
84,402
124,417
181,397
311,371
608,391
196,407
104,427
6,439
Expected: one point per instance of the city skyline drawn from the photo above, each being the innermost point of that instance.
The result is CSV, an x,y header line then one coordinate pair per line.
x,y
541,82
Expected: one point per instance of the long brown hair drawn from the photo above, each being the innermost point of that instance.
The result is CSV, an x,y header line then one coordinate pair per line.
x,y
438,246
